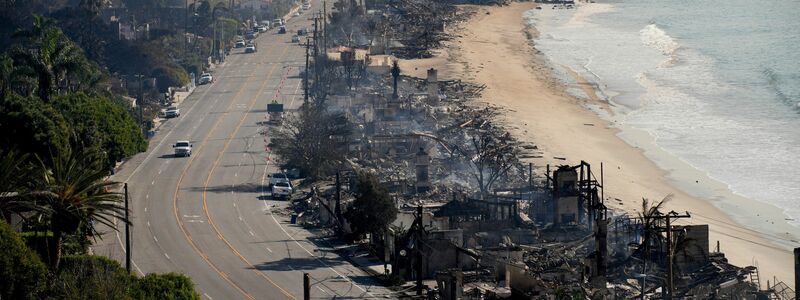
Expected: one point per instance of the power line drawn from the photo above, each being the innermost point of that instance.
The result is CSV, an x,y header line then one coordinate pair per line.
x,y
740,228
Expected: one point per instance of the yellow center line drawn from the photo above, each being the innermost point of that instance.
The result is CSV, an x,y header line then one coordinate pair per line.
x,y
208,179
186,234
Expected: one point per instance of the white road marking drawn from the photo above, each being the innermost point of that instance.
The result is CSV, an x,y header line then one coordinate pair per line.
x,y
234,204
148,223
167,255
209,297
144,162
159,172
156,239
252,234
147,196
263,177
270,250
153,182
240,218
192,216
145,209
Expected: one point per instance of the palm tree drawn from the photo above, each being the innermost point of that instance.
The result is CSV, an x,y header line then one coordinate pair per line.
x,y
650,223
73,193
15,173
6,69
49,55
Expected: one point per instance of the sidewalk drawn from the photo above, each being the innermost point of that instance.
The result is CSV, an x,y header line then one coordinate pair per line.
x,y
357,255
177,98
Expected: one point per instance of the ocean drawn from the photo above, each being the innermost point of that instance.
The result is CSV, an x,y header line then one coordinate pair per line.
x,y
716,84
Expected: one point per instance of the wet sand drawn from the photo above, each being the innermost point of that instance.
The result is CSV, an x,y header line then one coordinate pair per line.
x,y
494,49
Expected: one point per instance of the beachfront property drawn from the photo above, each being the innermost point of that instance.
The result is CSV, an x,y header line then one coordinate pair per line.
x,y
487,223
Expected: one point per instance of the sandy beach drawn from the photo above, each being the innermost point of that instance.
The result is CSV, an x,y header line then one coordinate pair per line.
x,y
494,49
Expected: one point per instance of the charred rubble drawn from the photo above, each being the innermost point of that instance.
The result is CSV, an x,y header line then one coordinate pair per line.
x,y
476,220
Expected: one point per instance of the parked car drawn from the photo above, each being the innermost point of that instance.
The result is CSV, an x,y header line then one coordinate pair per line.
x,y
172,112
282,190
302,32
277,177
282,29
239,44
250,35
306,6
295,39
250,48
182,148
297,14
205,78
262,28
277,22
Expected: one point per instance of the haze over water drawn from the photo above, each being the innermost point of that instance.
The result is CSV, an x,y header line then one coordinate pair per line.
x,y
715,83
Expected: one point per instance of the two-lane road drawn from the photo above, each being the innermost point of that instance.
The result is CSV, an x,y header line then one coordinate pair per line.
x,y
203,215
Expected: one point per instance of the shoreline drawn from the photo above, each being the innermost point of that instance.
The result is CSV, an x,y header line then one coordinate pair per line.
x,y
538,108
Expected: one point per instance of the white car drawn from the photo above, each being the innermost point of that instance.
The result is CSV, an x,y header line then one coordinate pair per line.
x,y
239,44
172,112
182,148
251,48
306,6
282,190
205,78
277,177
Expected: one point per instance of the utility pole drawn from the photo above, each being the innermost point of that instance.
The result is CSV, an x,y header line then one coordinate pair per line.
x,y
127,233
305,76
306,287
338,208
669,217
796,272
185,27
316,46
670,272
418,246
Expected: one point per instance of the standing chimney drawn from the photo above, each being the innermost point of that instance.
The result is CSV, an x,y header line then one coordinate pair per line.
x,y
422,161
433,85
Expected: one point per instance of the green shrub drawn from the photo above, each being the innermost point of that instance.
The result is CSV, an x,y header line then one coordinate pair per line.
x,y
22,273
101,123
91,277
168,76
31,126
164,286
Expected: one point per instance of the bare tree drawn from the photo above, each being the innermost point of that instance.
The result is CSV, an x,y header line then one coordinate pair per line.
x,y
313,140
492,157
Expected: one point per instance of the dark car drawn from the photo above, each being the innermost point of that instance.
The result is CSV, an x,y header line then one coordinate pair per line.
x,y
282,30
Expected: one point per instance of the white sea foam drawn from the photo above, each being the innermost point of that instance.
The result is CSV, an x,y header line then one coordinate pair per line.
x,y
708,99
652,36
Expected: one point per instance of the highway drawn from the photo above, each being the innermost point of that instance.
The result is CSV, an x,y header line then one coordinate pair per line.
x,y
207,215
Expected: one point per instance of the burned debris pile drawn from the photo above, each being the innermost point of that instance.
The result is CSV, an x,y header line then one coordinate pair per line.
x,y
473,219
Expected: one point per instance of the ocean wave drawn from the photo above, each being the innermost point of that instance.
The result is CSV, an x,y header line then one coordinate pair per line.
x,y
774,83
656,38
